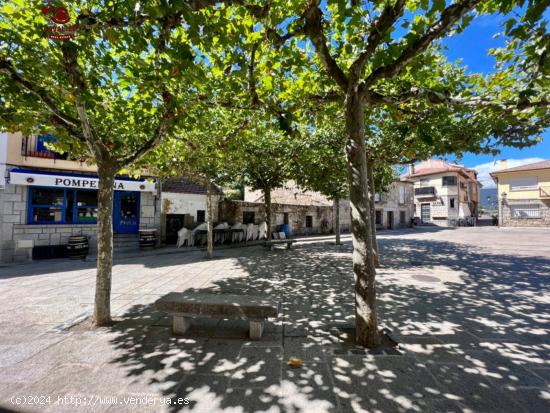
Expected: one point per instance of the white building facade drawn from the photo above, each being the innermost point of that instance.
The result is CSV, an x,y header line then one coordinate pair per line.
x,y
445,194
184,205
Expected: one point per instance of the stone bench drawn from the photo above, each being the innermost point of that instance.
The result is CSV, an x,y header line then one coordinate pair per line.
x,y
271,243
184,306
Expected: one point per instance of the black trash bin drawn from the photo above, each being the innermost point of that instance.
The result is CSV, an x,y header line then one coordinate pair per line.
x,y
78,247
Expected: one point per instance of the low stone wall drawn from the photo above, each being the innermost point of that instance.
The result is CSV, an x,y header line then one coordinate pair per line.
x,y
43,235
509,221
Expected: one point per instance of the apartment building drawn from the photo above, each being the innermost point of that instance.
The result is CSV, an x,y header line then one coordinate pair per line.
x,y
445,194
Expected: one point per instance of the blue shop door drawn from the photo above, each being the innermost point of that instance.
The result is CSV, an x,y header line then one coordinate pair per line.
x,y
126,212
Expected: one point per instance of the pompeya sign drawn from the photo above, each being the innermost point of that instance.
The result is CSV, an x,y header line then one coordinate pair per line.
x,y
65,181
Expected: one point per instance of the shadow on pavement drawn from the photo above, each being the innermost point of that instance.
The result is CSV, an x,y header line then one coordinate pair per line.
x,y
472,329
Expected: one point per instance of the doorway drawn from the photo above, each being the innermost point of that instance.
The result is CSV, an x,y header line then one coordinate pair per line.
x,y
425,213
390,219
126,212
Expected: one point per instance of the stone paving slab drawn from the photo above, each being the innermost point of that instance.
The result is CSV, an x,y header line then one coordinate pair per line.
x,y
472,324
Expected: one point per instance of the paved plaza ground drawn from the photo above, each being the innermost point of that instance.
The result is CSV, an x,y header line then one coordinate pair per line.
x,y
469,307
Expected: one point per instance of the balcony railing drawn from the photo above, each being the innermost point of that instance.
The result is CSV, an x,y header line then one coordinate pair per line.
x,y
36,146
544,191
424,191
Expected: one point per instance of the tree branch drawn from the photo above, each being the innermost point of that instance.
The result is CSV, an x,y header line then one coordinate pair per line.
x,y
252,78
379,27
160,131
70,62
448,18
327,97
441,98
314,30
70,124
168,107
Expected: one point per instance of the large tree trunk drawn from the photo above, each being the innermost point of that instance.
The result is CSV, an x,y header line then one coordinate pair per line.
x,y
267,200
209,221
102,309
337,220
372,192
366,325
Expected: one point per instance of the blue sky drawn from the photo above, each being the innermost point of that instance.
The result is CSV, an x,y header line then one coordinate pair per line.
x,y
472,46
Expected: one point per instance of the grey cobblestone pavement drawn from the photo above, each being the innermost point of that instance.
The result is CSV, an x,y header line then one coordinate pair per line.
x,y
469,308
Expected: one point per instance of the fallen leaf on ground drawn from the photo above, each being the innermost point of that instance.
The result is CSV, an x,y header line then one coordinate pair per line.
x,y
295,362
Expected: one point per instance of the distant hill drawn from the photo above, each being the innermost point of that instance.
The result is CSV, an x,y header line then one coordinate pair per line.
x,y
488,203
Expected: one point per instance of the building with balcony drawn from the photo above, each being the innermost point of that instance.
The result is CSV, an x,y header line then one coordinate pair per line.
x,y
524,195
445,194
45,197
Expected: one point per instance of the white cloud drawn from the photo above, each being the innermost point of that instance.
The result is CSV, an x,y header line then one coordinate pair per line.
x,y
484,169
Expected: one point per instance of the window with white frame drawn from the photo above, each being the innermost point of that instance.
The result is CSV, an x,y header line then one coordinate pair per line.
x,y
525,211
525,183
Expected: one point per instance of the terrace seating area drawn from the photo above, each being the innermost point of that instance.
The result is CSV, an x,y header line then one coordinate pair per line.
x,y
224,234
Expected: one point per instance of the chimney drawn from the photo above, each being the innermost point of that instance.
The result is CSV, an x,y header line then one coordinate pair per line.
x,y
501,164
411,169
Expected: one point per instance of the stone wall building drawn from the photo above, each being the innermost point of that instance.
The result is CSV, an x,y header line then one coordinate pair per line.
x,y
524,195
303,219
307,212
395,207
45,197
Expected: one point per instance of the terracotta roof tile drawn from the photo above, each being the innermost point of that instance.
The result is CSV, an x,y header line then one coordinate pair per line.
x,y
436,166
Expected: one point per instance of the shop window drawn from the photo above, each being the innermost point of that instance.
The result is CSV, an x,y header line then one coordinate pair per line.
x,y
62,206
46,206
86,207
378,217
309,221
201,216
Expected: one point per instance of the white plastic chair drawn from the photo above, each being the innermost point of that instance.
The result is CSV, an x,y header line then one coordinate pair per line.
x,y
223,225
262,230
251,230
238,236
184,236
